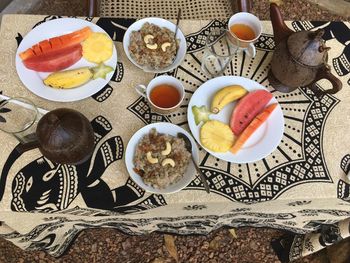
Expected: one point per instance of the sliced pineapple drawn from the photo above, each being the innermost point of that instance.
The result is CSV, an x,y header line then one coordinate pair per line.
x,y
98,47
216,136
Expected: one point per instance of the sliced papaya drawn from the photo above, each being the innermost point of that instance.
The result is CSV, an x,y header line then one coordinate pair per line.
x,y
247,109
28,53
45,46
57,43
37,50
252,127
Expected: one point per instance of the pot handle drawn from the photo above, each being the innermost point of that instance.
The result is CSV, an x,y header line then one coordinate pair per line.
x,y
325,73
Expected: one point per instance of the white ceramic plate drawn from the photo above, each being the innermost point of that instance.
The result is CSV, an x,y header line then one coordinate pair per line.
x,y
264,140
34,80
166,128
161,23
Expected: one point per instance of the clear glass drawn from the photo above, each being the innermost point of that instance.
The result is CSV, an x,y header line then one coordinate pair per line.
x,y
219,50
19,117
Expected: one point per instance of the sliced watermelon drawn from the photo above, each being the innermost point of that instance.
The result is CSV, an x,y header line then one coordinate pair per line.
x,y
247,109
252,127
54,60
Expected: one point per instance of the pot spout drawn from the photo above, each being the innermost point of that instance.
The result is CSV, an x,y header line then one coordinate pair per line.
x,y
280,29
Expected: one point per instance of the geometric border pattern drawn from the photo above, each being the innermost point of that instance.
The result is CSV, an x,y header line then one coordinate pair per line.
x,y
294,161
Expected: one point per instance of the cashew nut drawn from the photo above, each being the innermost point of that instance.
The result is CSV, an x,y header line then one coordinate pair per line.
x,y
167,149
165,45
152,46
147,38
169,161
150,158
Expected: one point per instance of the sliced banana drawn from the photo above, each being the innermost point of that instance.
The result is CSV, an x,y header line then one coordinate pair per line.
x,y
167,149
152,46
150,158
169,161
165,45
147,38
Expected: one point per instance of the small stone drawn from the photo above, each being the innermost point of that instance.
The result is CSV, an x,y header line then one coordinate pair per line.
x,y
253,245
158,260
93,248
215,243
211,255
42,254
126,244
205,245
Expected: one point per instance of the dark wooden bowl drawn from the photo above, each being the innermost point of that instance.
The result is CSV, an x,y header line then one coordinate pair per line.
x,y
65,136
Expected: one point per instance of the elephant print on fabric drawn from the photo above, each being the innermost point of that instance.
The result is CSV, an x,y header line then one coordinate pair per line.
x,y
45,186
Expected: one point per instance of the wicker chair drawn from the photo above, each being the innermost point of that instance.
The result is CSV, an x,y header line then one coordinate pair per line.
x,y
190,9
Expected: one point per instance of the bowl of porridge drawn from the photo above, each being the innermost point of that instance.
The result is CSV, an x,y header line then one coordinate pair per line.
x,y
150,44
157,160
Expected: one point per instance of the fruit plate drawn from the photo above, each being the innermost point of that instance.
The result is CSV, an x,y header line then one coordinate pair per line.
x,y
34,80
263,141
166,128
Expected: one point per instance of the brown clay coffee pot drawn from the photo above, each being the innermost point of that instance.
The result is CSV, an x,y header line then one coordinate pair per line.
x,y
63,136
299,59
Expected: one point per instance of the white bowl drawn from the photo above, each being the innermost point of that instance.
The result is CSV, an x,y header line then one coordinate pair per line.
x,y
166,128
161,23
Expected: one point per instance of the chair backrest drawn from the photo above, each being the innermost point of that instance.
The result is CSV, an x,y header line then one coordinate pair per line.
x,y
190,9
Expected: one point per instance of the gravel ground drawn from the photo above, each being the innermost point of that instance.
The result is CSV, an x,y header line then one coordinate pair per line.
x,y
109,245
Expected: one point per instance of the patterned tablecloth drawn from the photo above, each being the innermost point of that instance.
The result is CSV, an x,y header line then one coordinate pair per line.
x,y
301,186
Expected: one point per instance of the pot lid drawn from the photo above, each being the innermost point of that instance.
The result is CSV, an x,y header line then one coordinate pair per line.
x,y
308,47
65,136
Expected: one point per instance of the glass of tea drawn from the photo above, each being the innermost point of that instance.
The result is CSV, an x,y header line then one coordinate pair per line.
x,y
164,94
219,50
246,29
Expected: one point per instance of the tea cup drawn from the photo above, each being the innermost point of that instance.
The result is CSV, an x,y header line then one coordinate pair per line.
x,y
171,83
250,22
